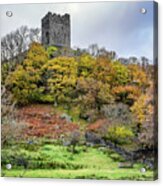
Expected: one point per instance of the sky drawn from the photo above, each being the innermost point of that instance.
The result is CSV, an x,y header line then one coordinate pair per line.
x,y
117,26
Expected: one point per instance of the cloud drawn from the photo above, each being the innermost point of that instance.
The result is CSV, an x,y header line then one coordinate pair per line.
x,y
117,26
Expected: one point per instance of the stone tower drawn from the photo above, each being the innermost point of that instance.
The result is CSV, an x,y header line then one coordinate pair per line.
x,y
56,30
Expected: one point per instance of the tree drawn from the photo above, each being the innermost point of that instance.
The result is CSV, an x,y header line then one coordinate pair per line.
x,y
140,108
118,113
36,56
138,76
93,50
107,54
103,70
148,134
92,94
25,82
86,64
144,112
120,74
133,60
127,94
18,41
59,76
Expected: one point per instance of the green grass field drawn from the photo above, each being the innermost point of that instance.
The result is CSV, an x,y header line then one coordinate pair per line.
x,y
54,161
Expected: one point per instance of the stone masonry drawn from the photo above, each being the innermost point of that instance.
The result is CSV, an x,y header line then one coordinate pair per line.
x,y
56,30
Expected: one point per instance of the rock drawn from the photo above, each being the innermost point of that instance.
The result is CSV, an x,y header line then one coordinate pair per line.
x,y
93,138
56,127
46,116
30,142
125,165
55,104
66,117
102,148
66,143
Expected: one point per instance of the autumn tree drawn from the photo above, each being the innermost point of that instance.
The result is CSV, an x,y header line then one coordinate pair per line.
x,y
92,94
127,94
86,64
120,74
103,70
137,76
144,112
93,88
59,76
25,82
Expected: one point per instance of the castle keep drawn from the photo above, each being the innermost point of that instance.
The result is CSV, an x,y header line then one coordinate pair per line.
x,y
56,30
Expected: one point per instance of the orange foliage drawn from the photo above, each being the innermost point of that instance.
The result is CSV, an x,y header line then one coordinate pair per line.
x,y
127,92
99,126
42,122
137,75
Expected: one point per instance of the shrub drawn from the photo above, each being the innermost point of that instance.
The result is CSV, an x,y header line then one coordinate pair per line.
x,y
116,157
72,139
99,127
10,127
120,134
11,130
51,50
117,113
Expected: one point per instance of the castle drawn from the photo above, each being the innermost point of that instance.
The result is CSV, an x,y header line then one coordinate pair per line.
x,y
56,30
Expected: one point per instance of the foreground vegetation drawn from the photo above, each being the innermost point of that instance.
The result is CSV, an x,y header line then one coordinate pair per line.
x,y
54,161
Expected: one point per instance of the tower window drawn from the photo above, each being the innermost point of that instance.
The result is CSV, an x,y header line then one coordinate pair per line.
x,y
47,37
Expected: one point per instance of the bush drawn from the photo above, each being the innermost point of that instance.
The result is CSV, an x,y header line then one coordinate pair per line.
x,y
120,134
117,113
11,130
72,140
51,50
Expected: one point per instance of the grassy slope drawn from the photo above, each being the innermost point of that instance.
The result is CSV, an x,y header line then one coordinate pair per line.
x,y
52,161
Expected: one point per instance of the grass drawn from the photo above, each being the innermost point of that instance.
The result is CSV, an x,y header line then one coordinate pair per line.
x,y
54,161
82,174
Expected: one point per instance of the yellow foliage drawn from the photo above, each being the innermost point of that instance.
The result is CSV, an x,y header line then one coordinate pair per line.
x,y
62,72
143,106
137,75
120,134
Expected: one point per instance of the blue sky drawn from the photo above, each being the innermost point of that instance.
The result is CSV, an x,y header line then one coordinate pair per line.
x,y
117,26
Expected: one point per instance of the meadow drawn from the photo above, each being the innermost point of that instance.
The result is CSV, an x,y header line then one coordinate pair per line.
x,y
56,161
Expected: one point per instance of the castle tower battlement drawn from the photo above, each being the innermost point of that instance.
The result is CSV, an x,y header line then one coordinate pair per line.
x,y
56,30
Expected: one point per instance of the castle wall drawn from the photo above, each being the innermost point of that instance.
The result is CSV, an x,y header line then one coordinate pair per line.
x,y
56,30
